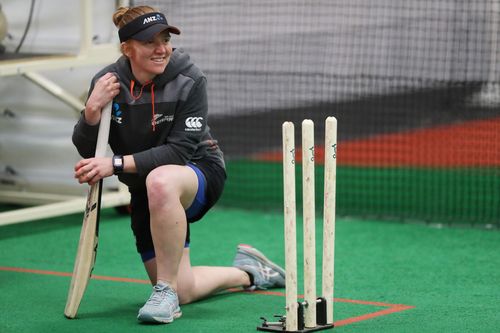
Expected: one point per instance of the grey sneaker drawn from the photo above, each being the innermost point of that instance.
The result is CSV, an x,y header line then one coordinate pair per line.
x,y
266,274
162,306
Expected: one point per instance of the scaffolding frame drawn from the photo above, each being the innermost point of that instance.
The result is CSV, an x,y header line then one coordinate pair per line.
x,y
49,205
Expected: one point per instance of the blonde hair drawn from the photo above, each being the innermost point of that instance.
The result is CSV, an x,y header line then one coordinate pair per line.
x,y
124,15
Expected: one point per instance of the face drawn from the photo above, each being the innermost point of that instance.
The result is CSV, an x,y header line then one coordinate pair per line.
x,y
148,58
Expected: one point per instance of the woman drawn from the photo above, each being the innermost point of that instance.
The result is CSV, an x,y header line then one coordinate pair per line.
x,y
165,154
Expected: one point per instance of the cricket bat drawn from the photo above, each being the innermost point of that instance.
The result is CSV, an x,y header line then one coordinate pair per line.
x,y
87,246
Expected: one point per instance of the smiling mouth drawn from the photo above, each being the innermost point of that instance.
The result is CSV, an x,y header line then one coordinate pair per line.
x,y
158,59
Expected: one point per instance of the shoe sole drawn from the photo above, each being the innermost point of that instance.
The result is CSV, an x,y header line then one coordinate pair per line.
x,y
159,320
257,255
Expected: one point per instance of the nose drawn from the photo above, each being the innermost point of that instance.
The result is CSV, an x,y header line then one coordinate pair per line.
x,y
160,47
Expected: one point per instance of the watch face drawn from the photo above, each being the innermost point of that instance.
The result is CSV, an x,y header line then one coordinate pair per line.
x,y
117,164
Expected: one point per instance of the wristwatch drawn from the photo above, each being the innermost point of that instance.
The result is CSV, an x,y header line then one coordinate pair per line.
x,y
117,164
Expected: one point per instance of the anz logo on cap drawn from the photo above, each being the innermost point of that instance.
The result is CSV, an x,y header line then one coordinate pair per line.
x,y
154,18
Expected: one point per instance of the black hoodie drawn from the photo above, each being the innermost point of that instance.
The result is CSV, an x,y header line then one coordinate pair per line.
x,y
162,122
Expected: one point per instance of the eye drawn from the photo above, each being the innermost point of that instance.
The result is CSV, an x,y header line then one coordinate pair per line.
x,y
166,39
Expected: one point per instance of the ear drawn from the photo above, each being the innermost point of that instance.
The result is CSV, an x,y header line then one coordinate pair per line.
x,y
126,49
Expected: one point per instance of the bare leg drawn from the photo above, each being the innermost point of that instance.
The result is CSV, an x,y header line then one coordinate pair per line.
x,y
170,188
199,282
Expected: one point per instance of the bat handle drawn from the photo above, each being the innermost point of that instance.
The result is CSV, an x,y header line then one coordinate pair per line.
x,y
103,136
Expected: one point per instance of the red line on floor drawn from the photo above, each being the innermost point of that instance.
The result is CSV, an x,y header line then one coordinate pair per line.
x,y
118,279
93,277
384,312
391,308
34,271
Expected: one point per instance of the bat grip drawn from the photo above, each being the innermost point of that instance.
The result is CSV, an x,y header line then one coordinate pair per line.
x,y
103,135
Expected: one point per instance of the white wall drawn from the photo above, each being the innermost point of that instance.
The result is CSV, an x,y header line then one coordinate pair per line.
x,y
55,25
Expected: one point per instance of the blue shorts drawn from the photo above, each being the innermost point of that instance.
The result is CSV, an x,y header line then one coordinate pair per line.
x,y
200,200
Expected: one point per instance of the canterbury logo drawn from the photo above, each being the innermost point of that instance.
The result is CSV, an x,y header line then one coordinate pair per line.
x,y
194,123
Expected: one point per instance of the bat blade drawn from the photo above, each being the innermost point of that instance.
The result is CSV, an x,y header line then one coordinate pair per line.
x,y
87,251
87,246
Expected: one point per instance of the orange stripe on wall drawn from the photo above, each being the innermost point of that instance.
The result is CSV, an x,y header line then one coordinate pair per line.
x,y
469,144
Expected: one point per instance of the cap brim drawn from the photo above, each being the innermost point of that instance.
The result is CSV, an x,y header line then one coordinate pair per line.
x,y
150,32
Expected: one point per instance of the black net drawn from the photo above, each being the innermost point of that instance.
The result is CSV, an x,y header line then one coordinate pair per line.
x,y
414,86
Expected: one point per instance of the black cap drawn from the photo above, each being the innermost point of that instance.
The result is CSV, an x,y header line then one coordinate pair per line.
x,y
145,27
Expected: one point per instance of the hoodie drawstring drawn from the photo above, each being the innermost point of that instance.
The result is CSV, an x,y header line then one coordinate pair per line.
x,y
132,84
153,120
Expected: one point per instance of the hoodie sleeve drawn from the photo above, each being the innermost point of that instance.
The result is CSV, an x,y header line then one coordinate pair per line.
x,y
190,126
84,135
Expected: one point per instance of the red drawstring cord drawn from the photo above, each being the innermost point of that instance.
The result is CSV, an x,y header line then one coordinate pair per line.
x,y
132,84
153,121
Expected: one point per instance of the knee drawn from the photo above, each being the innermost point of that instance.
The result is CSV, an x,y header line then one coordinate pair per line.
x,y
161,190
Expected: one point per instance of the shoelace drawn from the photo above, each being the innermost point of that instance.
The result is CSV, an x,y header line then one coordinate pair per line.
x,y
160,293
